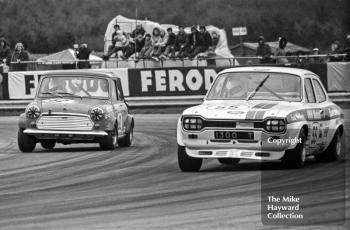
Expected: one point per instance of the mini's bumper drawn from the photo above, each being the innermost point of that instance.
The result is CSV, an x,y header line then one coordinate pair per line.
x,y
61,134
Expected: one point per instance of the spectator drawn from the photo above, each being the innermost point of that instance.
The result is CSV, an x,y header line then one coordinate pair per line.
x,y
203,42
118,44
83,54
316,59
170,42
263,51
147,49
129,47
347,49
19,55
5,52
159,47
180,43
139,30
139,43
280,51
335,49
215,37
156,41
191,43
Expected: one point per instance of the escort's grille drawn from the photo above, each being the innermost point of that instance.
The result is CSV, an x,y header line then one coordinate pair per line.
x,y
219,124
64,122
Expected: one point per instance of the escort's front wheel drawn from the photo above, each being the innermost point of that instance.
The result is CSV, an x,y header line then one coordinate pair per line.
x,y
127,140
26,143
332,153
187,163
295,158
110,141
229,161
48,144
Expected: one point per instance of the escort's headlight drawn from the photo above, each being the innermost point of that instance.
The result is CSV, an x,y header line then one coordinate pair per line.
x,y
275,125
192,123
96,114
33,111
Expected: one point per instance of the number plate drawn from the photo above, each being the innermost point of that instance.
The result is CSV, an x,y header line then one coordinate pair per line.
x,y
232,135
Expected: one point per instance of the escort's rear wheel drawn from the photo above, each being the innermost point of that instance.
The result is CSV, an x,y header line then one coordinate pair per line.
x,y
229,161
332,153
295,158
127,140
26,143
187,163
110,141
48,144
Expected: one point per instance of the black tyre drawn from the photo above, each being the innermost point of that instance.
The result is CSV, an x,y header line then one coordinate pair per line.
x,y
229,161
187,163
110,141
26,143
48,144
127,140
295,158
333,151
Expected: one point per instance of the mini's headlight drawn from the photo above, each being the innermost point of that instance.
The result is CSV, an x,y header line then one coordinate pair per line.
x,y
192,123
33,111
96,114
275,125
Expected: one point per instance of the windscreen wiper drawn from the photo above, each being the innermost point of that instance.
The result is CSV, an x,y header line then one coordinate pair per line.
x,y
51,93
257,88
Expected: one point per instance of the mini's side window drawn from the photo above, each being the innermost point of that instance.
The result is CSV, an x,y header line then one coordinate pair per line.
x,y
320,94
114,93
309,91
120,91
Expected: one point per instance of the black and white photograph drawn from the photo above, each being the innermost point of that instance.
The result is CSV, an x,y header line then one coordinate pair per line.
x,y
174,114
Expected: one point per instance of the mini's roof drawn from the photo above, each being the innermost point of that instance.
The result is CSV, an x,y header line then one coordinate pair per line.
x,y
269,69
87,72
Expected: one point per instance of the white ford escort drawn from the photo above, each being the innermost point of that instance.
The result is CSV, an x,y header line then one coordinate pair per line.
x,y
261,113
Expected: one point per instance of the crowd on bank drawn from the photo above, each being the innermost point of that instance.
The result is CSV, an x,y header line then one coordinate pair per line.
x,y
162,44
280,56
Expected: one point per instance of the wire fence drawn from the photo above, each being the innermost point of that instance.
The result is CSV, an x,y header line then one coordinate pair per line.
x,y
174,62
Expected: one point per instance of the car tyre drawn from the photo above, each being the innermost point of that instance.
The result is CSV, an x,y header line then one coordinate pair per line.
x,y
229,161
110,141
333,151
26,143
48,144
127,140
295,158
186,162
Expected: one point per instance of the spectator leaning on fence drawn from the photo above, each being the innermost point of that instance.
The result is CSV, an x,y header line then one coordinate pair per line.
x,y
5,51
83,54
281,51
129,47
118,42
215,37
347,48
139,30
156,41
19,55
335,49
263,51
160,46
147,49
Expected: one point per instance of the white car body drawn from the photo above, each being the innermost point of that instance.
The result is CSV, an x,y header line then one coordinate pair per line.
x,y
321,119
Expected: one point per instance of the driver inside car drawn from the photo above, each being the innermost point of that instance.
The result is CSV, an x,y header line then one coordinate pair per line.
x,y
57,84
235,88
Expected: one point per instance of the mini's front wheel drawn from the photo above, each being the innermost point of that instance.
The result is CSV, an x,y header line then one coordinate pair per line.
x,y
186,162
110,141
26,143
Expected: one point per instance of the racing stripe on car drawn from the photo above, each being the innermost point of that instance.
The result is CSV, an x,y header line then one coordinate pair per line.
x,y
268,106
260,115
258,106
250,115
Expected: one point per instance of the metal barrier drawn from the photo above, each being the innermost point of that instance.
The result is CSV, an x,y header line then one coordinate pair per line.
x,y
185,62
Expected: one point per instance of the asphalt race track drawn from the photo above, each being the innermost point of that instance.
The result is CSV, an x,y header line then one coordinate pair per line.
x,y
141,187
